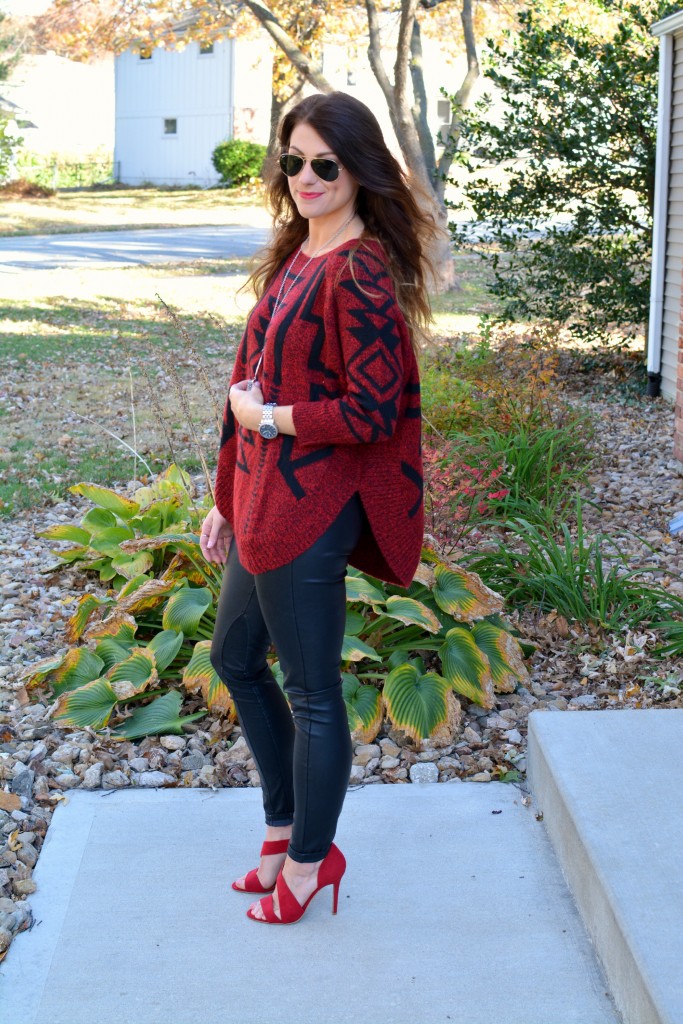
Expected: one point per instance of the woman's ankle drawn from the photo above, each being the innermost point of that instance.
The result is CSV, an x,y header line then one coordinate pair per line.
x,y
275,832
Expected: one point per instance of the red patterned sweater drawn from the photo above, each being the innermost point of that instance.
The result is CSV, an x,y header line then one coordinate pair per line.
x,y
338,351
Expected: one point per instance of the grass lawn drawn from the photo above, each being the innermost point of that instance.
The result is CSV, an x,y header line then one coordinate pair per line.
x,y
118,209
73,343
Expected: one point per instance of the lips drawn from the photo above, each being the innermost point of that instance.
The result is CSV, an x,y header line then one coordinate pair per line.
x,y
310,195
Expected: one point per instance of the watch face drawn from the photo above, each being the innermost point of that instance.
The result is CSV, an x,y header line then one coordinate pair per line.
x,y
268,430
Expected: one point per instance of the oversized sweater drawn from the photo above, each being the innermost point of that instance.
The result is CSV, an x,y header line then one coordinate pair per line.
x,y
338,350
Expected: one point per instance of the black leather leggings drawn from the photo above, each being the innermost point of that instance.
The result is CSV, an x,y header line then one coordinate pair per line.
x,y
303,755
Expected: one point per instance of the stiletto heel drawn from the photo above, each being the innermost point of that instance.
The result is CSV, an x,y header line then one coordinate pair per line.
x,y
330,872
251,879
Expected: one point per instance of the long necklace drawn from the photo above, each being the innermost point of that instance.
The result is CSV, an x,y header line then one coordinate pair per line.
x,y
280,299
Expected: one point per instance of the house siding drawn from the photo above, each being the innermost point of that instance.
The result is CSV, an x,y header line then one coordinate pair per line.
x,y
196,92
672,344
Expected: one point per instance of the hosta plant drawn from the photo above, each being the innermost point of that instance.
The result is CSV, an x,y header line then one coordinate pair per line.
x,y
445,634
139,650
163,507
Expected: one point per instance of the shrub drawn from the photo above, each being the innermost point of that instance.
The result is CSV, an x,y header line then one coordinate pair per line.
x,y
238,161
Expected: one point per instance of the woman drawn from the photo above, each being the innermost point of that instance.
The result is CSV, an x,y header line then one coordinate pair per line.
x,y
319,466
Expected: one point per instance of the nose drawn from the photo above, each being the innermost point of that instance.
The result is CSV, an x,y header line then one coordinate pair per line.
x,y
307,175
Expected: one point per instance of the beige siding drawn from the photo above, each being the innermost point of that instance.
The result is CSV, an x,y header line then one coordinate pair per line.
x,y
674,232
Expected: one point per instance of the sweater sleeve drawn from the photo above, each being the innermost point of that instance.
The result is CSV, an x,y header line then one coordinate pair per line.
x,y
363,318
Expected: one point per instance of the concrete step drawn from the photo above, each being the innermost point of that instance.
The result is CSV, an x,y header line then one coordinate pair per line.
x,y
610,787
452,909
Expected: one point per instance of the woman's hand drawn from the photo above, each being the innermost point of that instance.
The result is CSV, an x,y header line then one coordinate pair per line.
x,y
215,536
247,406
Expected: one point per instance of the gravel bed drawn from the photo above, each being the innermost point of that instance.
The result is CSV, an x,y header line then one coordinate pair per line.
x,y
638,487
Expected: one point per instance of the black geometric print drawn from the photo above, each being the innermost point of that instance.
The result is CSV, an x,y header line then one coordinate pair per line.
x,y
415,478
289,466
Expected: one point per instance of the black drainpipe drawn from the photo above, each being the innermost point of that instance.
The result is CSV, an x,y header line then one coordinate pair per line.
x,y
654,384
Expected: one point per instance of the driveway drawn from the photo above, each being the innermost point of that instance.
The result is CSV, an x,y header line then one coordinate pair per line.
x,y
118,248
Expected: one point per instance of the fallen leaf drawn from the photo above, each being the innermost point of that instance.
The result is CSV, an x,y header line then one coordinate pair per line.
x,y
9,801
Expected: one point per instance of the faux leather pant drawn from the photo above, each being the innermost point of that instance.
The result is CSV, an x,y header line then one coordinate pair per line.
x,y
301,748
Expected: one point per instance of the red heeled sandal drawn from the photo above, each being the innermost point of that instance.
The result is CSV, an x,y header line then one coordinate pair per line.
x,y
251,879
329,873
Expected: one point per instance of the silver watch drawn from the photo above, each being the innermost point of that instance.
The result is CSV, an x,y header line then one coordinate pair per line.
x,y
267,427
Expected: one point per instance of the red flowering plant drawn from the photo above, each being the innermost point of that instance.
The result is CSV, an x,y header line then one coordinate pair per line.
x,y
457,492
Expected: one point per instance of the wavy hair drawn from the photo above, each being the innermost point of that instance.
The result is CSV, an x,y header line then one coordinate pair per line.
x,y
387,202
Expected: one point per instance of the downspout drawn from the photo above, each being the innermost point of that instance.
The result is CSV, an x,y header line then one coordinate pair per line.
x,y
654,344
231,80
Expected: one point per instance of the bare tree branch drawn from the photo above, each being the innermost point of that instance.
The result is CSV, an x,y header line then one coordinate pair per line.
x,y
312,71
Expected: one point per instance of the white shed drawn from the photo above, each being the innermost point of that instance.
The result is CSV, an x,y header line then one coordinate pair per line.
x,y
174,105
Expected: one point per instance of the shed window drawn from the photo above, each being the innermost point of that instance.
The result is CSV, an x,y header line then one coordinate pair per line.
x,y
443,111
205,48
170,126
145,53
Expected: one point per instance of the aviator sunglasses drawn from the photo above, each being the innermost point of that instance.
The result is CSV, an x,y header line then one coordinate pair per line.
x,y
324,168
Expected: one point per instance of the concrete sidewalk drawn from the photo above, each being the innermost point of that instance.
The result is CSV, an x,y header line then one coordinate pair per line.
x,y
453,908
609,784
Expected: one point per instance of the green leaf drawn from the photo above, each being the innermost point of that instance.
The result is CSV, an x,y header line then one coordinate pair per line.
x,y
34,674
463,595
65,531
87,604
416,703
355,622
89,705
108,499
359,589
98,519
363,707
165,646
159,718
111,652
503,653
80,666
184,609
138,671
148,523
199,674
118,625
131,566
413,613
466,667
134,584
107,540
354,649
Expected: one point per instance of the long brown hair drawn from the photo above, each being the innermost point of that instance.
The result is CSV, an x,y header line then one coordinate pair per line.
x,y
386,201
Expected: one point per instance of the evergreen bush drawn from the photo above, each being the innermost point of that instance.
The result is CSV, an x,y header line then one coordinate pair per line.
x,y
238,162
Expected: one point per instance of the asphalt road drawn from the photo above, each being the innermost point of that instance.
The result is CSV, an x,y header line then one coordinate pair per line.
x,y
120,248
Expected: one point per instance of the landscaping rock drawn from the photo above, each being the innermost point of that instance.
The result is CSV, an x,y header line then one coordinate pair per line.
x,y
424,772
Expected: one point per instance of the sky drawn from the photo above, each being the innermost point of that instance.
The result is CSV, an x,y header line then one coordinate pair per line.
x,y
27,7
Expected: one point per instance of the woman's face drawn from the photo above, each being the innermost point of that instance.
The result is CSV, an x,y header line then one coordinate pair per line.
x,y
313,196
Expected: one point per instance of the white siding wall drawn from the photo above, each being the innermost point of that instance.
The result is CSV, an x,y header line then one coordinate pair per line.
x,y
253,63
674,232
195,90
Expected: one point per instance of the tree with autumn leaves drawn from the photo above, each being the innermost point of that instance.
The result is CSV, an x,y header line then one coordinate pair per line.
x,y
81,28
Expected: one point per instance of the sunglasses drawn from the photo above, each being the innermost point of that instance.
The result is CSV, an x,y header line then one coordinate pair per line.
x,y
326,170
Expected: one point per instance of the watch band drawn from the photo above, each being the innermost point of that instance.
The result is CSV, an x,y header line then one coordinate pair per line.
x,y
267,427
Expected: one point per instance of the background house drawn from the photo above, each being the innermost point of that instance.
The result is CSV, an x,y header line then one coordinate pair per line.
x,y
174,105
665,342
69,106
